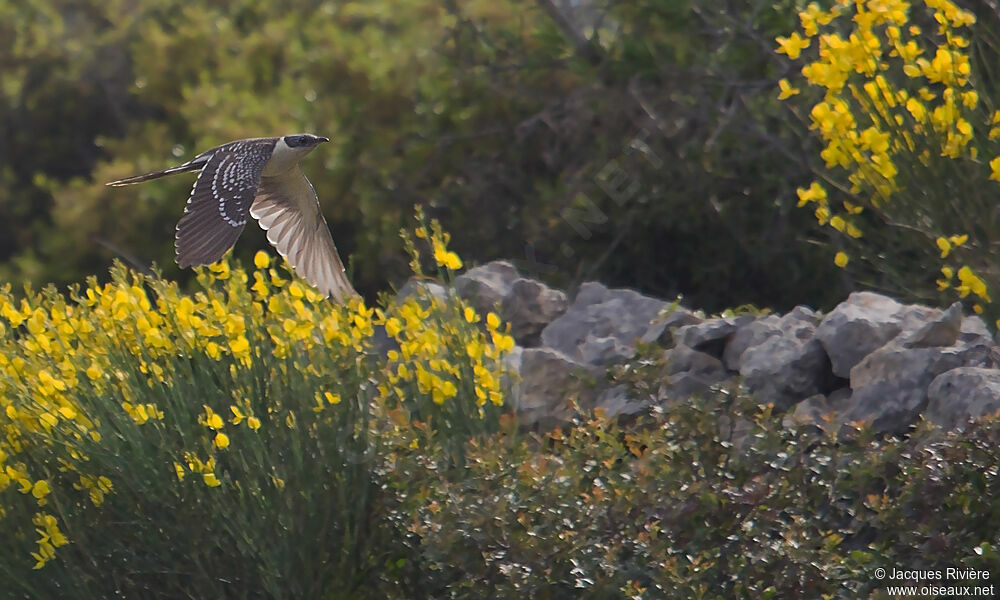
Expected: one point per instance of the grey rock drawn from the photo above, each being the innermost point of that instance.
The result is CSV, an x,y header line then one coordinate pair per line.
x,y
785,370
941,331
690,373
422,290
915,316
550,381
863,323
974,330
485,286
890,385
529,307
960,394
683,359
800,324
598,313
711,335
661,330
827,412
747,336
604,350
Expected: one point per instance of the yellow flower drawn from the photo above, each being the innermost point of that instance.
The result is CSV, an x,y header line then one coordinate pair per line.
x,y
221,269
786,90
470,315
971,283
221,441
840,259
792,45
393,327
449,260
332,398
822,215
210,479
240,345
995,169
503,342
179,470
237,415
40,489
944,245
815,193
492,321
261,260
253,423
211,419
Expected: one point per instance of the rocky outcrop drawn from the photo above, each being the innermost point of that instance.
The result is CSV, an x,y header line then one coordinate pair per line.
x,y
871,358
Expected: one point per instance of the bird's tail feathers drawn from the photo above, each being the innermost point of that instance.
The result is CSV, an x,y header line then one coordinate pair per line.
x,y
188,166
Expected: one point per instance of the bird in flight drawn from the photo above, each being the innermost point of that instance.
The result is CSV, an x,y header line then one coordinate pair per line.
x,y
259,178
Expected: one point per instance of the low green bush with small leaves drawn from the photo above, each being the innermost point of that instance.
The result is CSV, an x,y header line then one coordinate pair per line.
x,y
707,499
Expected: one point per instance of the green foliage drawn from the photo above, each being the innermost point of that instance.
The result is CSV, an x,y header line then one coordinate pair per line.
x,y
707,500
662,140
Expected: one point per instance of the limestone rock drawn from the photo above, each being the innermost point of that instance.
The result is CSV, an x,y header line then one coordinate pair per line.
x,y
485,286
857,327
890,385
664,325
941,331
549,381
597,314
785,370
421,290
529,307
800,323
711,335
957,395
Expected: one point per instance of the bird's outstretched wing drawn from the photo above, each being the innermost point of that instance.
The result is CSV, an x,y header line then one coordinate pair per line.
x,y
220,200
287,208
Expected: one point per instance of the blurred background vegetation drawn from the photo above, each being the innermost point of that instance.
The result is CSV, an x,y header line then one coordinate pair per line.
x,y
638,142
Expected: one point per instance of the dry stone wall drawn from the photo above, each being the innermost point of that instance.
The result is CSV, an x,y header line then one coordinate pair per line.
x,y
870,358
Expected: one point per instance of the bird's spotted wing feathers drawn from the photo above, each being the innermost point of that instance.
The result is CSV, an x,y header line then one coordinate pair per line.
x,y
288,209
220,200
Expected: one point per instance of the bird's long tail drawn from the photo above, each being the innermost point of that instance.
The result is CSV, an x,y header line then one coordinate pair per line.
x,y
193,165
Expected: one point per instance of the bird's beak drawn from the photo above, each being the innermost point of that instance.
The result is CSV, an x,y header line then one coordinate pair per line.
x,y
323,139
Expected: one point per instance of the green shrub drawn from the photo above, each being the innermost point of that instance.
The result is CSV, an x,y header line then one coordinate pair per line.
x,y
226,443
711,499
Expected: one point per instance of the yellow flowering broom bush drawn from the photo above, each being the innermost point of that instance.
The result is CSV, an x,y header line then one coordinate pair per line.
x,y
156,442
909,130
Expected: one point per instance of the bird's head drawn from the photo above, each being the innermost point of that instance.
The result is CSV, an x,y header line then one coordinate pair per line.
x,y
304,140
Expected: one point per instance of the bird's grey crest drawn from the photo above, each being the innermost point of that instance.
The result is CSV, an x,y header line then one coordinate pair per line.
x,y
258,178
